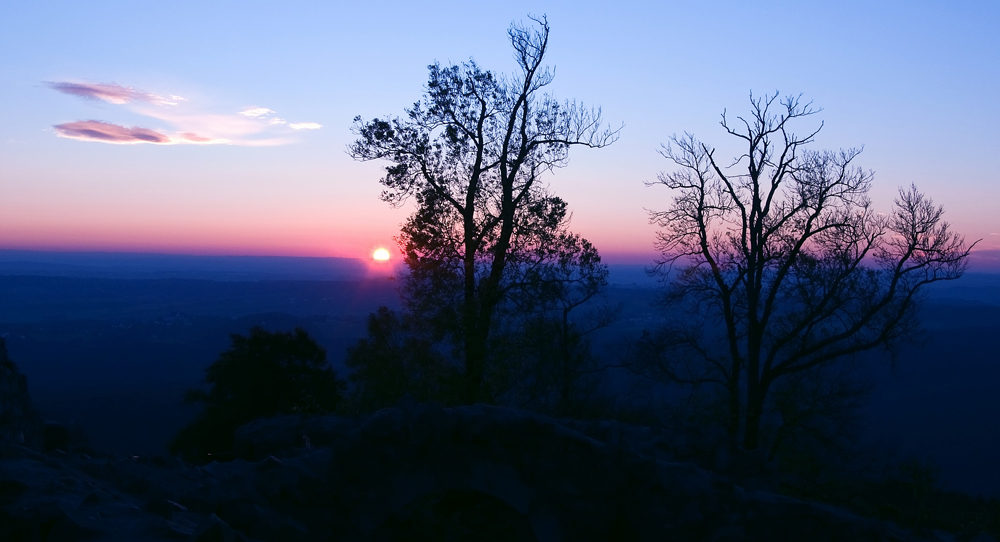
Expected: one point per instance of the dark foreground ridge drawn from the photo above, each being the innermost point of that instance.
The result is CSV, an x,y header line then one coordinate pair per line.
x,y
418,472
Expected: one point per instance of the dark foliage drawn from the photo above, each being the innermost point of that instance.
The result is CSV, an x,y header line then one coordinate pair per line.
x,y
396,361
262,374
456,515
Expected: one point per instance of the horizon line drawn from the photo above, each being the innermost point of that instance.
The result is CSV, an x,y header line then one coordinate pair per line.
x,y
987,257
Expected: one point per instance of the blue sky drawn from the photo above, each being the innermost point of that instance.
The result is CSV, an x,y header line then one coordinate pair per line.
x,y
915,83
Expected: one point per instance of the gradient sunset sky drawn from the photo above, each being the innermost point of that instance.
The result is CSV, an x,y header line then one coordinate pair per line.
x,y
235,116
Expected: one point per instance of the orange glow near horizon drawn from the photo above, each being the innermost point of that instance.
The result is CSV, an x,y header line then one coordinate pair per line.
x,y
380,255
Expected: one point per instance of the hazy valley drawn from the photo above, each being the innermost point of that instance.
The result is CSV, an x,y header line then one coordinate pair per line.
x,y
116,354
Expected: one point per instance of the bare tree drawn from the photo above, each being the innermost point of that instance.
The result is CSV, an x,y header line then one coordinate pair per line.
x,y
782,252
472,154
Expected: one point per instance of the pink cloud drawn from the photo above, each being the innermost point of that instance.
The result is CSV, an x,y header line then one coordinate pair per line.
x,y
95,130
106,132
110,92
182,123
230,129
195,138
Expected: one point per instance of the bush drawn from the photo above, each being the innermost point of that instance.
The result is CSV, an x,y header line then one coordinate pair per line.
x,y
395,361
262,374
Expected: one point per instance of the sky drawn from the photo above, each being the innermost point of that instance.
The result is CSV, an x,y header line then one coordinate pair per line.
x,y
222,127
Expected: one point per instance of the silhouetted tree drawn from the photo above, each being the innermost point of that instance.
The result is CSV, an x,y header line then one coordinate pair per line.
x,y
394,361
472,153
262,374
782,252
556,346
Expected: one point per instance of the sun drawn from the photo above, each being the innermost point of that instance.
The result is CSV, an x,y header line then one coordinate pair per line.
x,y
380,255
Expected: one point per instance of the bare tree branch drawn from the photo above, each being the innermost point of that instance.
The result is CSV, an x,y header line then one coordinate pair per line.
x,y
784,248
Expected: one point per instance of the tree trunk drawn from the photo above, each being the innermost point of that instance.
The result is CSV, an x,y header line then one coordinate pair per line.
x,y
751,433
733,427
477,329
755,408
473,350
475,359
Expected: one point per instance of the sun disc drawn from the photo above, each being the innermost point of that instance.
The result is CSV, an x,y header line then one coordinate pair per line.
x,y
381,255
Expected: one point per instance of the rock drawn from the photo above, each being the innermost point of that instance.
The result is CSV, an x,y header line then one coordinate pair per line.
x,y
96,498
10,490
181,525
56,437
268,436
216,530
64,438
138,487
164,508
421,472
44,521
20,423
397,464
269,463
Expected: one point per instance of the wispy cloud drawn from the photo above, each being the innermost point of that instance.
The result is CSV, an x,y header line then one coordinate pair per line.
x,y
111,92
184,122
256,112
95,130
264,114
191,137
106,132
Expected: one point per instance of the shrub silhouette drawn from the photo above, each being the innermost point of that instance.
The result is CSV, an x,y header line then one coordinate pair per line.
x,y
262,374
394,361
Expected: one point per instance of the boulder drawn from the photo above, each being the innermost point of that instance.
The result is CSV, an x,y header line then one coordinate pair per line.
x,y
266,437
416,473
20,423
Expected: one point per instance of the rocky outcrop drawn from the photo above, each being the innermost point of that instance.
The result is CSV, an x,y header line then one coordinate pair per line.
x,y
395,468
20,423
415,473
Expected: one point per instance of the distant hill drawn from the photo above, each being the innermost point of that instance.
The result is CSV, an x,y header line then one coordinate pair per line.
x,y
122,265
